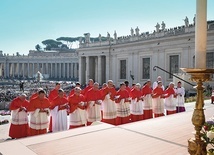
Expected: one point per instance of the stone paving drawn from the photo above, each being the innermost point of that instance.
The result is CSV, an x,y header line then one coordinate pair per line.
x,y
159,136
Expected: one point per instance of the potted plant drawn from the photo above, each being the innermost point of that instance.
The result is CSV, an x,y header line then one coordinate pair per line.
x,y
208,135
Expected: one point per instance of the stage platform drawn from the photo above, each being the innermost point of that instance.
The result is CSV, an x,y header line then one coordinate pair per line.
x,y
165,135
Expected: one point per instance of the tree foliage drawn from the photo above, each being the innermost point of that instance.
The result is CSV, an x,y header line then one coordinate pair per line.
x,y
38,47
65,42
50,43
68,39
63,46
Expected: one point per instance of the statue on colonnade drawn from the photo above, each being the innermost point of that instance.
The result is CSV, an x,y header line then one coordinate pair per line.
x,y
163,26
194,19
108,36
157,27
132,32
137,31
115,35
186,21
100,39
87,37
80,40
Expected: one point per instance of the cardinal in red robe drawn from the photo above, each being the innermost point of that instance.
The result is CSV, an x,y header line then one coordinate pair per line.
x,y
19,123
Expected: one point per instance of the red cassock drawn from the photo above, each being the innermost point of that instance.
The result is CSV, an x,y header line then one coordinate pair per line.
x,y
58,101
136,95
93,95
158,103
123,107
36,104
169,92
146,90
59,114
101,92
71,92
169,101
53,94
110,91
147,106
33,96
73,102
128,89
85,90
19,125
108,103
158,92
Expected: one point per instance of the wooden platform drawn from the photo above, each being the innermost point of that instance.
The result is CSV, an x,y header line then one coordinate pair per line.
x,y
166,135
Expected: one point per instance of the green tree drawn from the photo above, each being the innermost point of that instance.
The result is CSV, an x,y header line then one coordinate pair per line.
x,y
68,40
38,47
50,43
63,46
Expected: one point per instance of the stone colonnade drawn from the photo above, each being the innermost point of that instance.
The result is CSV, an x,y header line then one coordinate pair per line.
x,y
93,67
65,70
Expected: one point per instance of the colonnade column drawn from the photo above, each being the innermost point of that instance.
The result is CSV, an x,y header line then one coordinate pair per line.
x,y
37,67
72,70
23,69
51,72
68,70
95,68
0,69
87,75
60,71
55,70
33,69
107,68
63,70
28,69
5,69
46,68
99,70
75,70
80,69
18,69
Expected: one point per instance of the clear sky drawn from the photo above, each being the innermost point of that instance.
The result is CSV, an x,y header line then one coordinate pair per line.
x,y
25,23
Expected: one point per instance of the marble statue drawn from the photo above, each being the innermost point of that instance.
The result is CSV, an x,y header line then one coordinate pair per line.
x,y
194,20
186,21
157,27
80,40
132,32
87,37
100,39
163,26
115,35
108,36
137,31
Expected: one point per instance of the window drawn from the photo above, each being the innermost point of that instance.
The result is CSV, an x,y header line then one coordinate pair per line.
x,y
210,60
122,69
146,68
173,64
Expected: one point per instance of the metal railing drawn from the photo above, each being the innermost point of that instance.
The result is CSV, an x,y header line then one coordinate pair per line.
x,y
154,69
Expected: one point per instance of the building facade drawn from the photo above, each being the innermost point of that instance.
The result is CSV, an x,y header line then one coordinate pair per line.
x,y
133,57
56,65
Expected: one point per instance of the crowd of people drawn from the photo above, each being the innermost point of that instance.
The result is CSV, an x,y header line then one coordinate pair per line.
x,y
49,112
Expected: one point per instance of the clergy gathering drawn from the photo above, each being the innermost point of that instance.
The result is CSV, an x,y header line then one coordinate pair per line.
x,y
44,113
107,77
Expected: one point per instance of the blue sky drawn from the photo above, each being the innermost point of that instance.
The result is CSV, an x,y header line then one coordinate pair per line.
x,y
25,23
